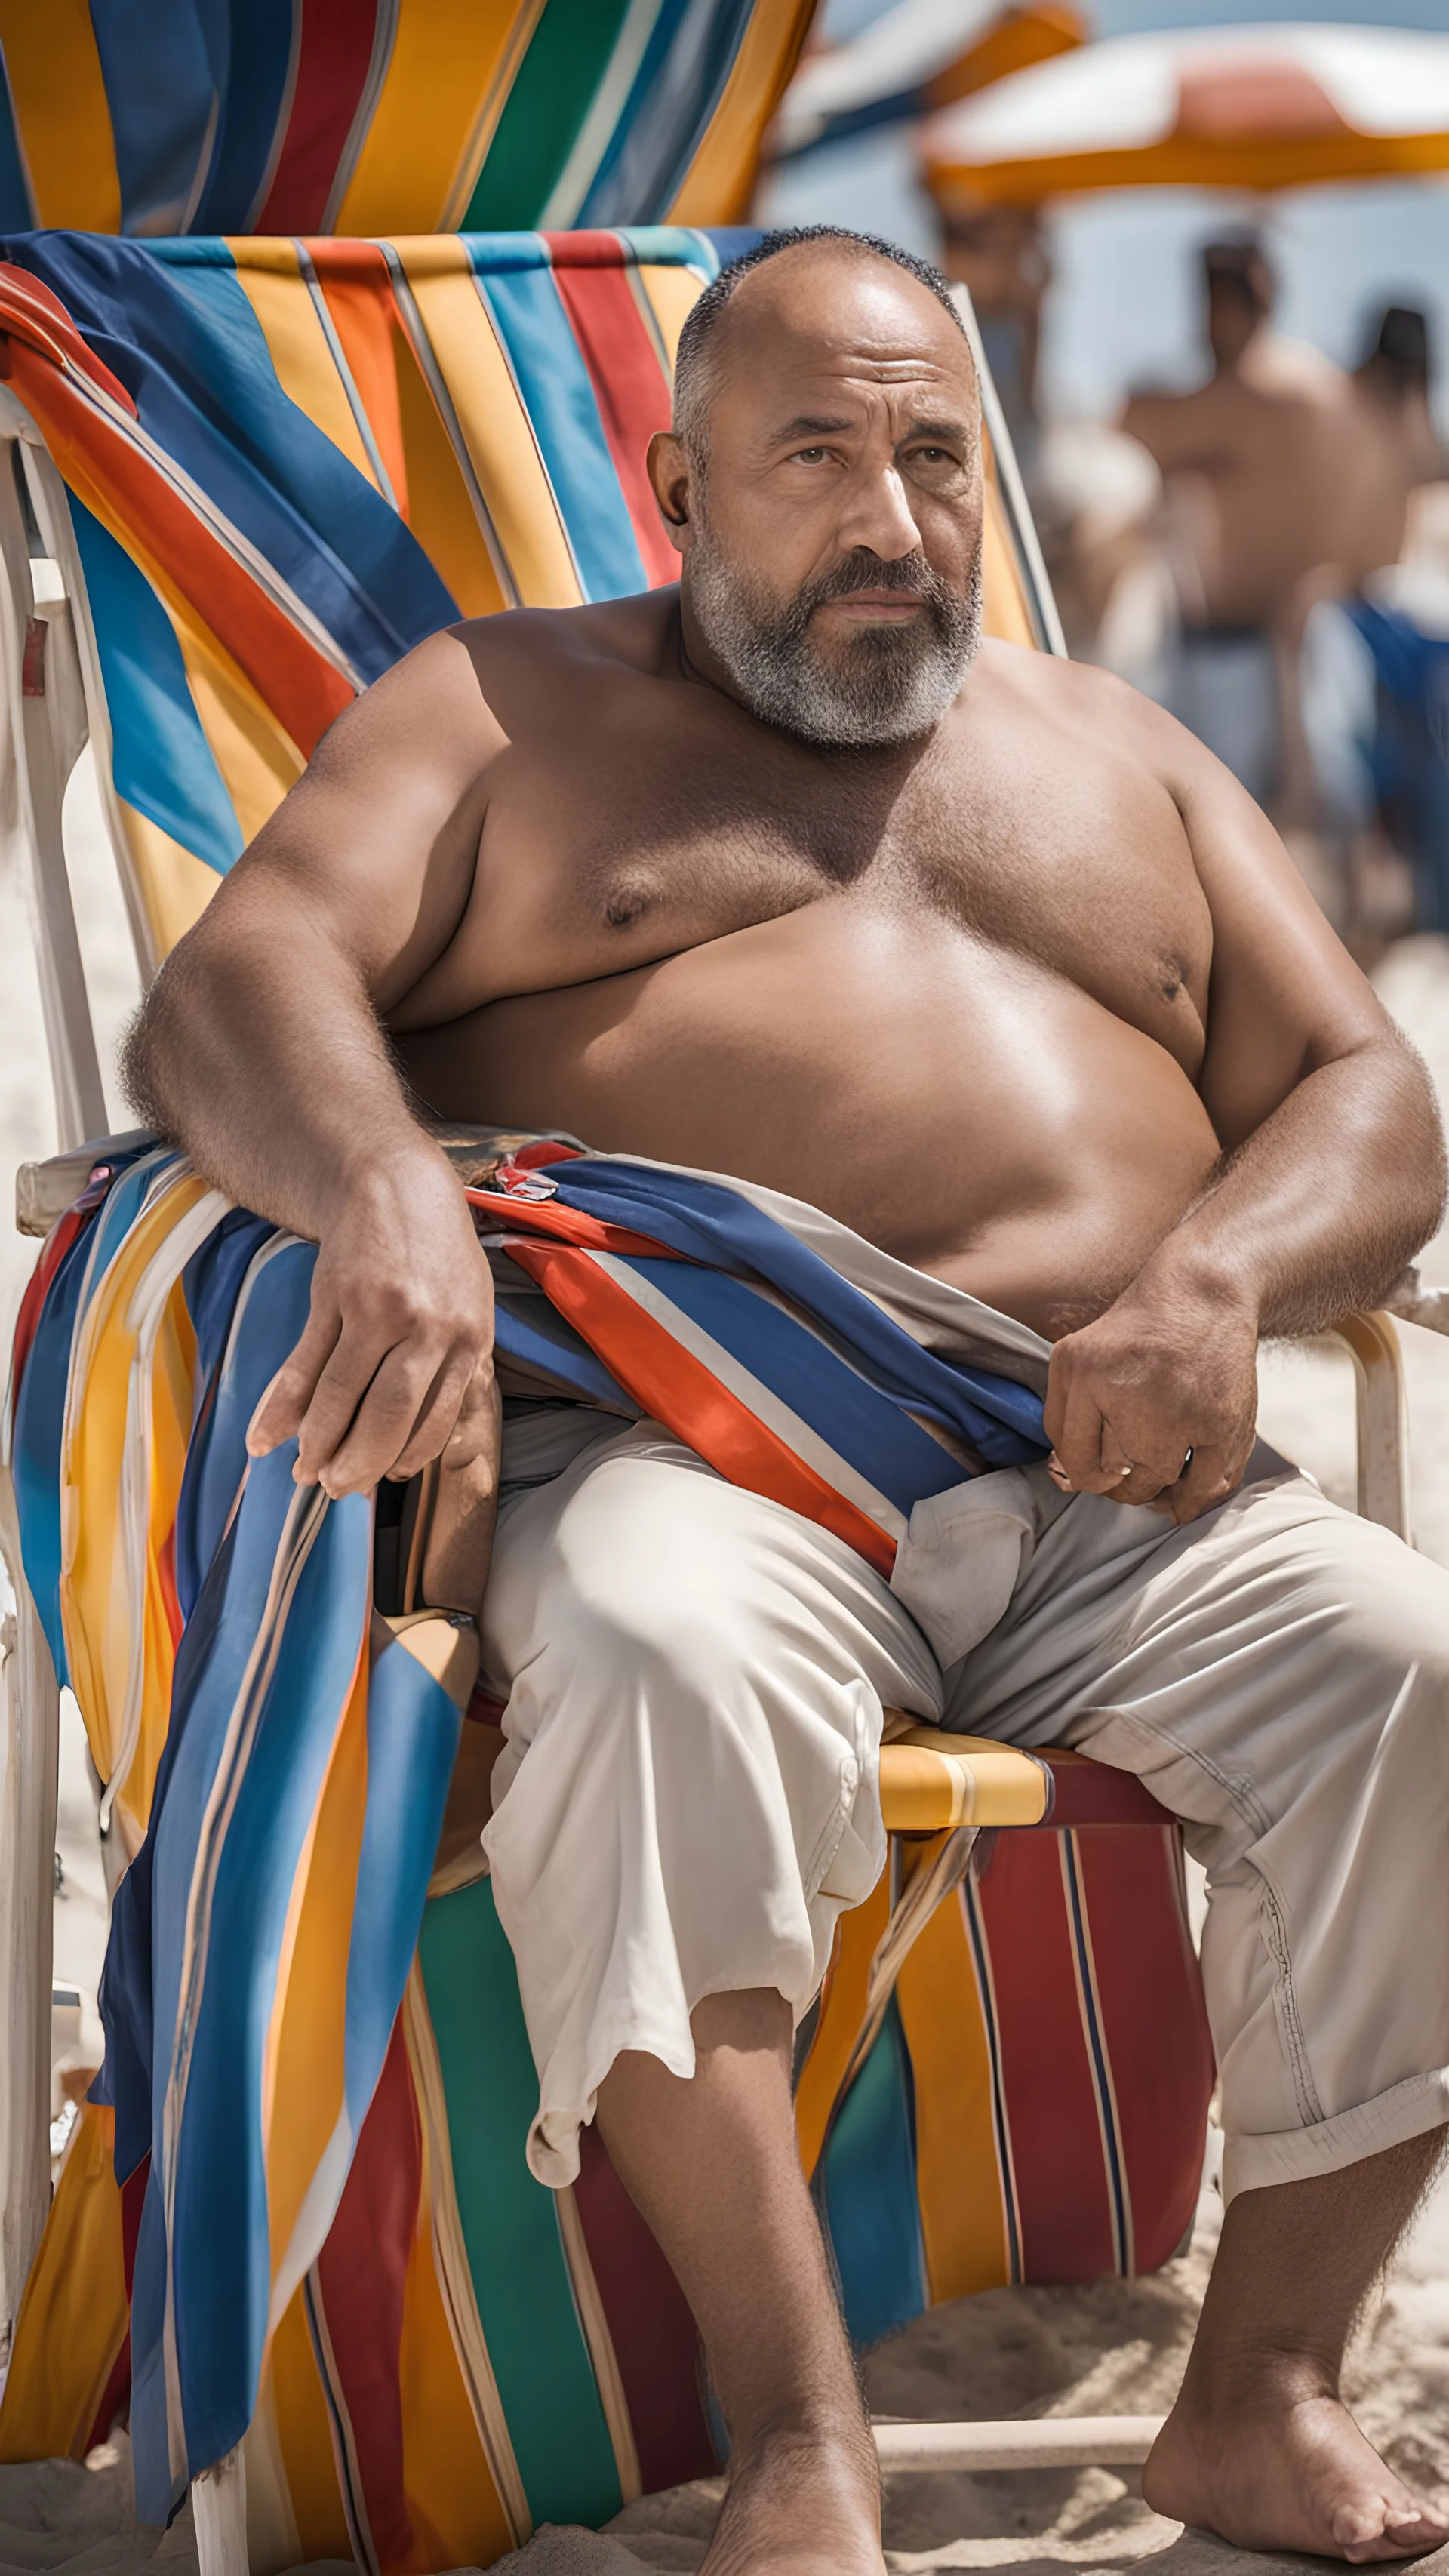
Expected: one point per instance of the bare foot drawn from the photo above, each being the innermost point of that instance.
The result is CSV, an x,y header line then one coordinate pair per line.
x,y
800,2504
1280,2464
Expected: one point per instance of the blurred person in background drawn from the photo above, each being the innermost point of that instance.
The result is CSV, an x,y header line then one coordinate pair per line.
x,y
1372,712
999,254
1098,502
1397,431
1264,473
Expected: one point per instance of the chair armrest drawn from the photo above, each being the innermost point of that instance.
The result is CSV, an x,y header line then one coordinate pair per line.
x,y
1383,1423
43,1191
930,1782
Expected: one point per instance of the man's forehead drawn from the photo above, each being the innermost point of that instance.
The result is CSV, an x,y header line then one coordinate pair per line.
x,y
816,321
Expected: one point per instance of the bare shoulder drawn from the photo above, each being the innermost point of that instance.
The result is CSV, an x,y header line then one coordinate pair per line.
x,y
1077,699
463,692
567,645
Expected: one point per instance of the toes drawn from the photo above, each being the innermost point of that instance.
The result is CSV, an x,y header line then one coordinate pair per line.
x,y
1366,2526
1417,2530
1372,2531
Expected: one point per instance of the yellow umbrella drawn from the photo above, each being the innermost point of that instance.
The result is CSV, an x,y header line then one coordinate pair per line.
x,y
1254,107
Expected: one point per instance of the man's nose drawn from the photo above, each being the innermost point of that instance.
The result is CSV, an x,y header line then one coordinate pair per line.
x,y
879,517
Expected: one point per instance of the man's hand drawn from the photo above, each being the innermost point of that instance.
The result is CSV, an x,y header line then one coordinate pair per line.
x,y
396,1364
1156,1402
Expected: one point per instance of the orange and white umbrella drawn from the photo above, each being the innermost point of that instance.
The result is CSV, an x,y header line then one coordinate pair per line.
x,y
916,58
1256,107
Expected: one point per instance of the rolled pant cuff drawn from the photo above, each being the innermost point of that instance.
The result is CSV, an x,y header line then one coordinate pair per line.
x,y
1407,2110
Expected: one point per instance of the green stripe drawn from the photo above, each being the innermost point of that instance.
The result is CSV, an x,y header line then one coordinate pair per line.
x,y
510,2222
551,95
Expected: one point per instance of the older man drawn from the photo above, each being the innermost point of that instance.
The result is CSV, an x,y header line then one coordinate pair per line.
x,y
786,875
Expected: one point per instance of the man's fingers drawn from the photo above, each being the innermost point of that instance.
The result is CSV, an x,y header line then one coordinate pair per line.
x,y
337,1400
279,1414
1211,1474
456,1422
362,1428
1077,1445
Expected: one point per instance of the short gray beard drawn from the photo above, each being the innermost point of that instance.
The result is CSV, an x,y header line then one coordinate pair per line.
x,y
889,685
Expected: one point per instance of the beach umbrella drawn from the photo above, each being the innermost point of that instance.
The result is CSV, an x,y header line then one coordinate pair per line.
x,y
1252,107
919,57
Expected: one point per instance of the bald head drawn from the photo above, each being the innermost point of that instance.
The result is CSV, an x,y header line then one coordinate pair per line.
x,y
814,283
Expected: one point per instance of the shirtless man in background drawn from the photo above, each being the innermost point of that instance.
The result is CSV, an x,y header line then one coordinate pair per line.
x,y
788,875
1271,487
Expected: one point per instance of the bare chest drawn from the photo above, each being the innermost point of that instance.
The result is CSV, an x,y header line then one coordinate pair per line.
x,y
623,843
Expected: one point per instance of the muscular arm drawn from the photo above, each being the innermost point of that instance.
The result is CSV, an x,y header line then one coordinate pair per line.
x,y
1331,1179
260,1051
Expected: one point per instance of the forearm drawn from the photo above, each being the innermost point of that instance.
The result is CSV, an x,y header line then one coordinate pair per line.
x,y
262,1056
1319,1211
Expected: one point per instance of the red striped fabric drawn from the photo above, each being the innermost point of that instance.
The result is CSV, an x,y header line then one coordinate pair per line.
x,y
334,52
1149,1985
678,1390
362,2271
32,314
52,1252
570,1225
629,383
1051,2103
118,2387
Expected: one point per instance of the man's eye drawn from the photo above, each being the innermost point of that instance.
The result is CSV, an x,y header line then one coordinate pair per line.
x,y
934,456
808,455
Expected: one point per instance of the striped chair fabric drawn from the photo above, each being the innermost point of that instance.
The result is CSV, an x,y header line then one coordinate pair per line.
x,y
382,116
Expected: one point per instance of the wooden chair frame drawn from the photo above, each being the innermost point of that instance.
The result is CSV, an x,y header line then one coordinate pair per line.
x,y
53,701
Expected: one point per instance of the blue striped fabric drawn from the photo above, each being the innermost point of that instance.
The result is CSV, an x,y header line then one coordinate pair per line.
x,y
161,760
676,91
252,84
274,1585
560,401
866,2188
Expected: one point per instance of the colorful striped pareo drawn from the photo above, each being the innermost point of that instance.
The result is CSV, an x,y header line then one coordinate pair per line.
x,y
357,116
297,2209
287,462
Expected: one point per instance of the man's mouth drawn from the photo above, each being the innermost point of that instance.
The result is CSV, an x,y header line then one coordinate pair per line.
x,y
877,607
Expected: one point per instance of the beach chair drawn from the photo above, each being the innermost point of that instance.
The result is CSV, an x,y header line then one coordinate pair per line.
x,y
242,477
364,116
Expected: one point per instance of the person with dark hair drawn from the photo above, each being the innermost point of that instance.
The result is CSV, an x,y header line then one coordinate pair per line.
x,y
1374,671
1267,483
1400,447
974,980
1397,358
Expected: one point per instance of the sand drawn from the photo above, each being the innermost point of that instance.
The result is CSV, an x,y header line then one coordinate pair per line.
x,y
1114,2347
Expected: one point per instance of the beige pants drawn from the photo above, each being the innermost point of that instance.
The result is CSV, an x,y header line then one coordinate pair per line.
x,y
688,1798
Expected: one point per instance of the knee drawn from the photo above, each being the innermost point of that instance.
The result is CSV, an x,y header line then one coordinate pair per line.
x,y
660,1623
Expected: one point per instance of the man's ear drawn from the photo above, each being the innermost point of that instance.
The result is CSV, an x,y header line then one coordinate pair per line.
x,y
668,468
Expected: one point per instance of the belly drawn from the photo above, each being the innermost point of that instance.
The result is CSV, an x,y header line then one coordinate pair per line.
x,y
969,1112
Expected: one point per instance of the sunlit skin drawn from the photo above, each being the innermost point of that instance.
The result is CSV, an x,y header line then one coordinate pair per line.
x,y
1001,998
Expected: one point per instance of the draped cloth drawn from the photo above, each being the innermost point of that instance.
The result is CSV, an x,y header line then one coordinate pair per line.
x,y
296,2207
